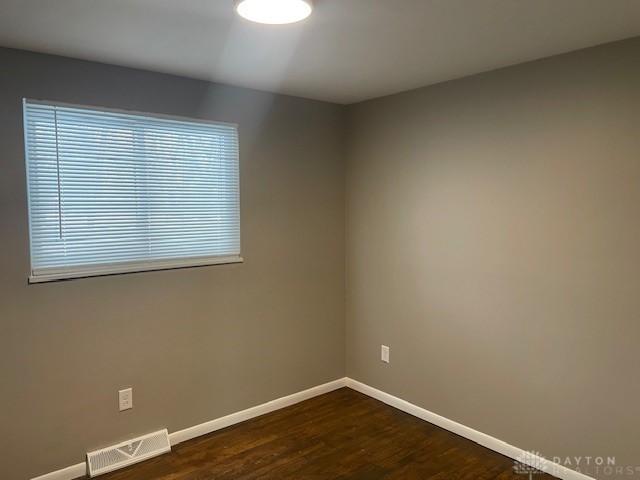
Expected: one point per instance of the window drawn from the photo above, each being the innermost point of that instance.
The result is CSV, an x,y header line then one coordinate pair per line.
x,y
115,192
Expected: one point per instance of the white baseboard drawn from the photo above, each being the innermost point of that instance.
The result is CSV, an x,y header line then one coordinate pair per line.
x,y
223,422
483,439
69,473
78,470
559,471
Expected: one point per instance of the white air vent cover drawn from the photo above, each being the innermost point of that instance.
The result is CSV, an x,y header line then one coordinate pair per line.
x,y
128,453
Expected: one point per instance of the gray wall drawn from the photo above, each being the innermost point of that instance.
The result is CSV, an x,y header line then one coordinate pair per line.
x,y
493,241
195,344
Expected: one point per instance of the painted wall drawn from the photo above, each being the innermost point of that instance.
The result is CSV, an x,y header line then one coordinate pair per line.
x,y
493,242
195,344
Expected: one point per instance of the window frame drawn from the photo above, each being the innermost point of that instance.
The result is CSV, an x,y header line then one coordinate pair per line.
x,y
137,266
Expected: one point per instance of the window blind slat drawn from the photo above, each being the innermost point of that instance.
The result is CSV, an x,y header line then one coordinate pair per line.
x,y
110,189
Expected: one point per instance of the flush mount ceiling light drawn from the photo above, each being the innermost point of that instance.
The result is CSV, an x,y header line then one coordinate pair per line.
x,y
275,12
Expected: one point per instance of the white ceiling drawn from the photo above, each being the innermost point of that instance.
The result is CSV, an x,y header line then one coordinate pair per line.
x,y
349,50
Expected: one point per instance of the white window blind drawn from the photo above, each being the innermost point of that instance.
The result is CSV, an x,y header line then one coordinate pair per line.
x,y
113,192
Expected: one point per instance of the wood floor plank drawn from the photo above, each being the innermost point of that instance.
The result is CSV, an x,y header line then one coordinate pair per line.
x,y
342,435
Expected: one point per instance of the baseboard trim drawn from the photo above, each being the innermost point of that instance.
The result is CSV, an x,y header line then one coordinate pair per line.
x,y
69,473
238,417
492,443
483,439
78,470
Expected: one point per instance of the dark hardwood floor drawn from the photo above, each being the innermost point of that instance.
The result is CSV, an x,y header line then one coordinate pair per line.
x,y
341,435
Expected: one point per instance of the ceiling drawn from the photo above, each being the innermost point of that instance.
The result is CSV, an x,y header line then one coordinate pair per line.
x,y
347,51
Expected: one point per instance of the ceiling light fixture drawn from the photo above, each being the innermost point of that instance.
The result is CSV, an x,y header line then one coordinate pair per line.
x,y
274,12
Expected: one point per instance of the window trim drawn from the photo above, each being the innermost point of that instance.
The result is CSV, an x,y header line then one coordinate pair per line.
x,y
73,273
98,108
98,270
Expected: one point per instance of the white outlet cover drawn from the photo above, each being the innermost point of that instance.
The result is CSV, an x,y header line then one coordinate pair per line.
x,y
384,353
125,399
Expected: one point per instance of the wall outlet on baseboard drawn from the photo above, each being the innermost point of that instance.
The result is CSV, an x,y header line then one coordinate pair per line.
x,y
125,399
384,353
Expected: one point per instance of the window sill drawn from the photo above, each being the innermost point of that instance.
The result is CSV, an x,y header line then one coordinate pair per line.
x,y
54,275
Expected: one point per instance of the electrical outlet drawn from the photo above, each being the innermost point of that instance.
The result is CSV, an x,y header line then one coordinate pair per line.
x,y
384,353
125,399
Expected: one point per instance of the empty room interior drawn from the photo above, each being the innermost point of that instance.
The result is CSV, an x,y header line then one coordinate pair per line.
x,y
320,239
